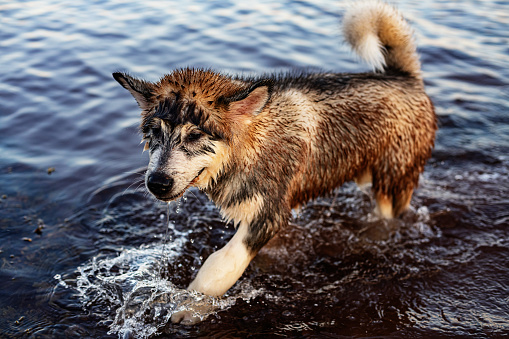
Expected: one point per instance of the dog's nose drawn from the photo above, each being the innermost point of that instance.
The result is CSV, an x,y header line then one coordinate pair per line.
x,y
159,184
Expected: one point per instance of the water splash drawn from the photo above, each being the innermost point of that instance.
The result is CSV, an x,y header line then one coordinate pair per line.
x,y
150,305
170,224
134,289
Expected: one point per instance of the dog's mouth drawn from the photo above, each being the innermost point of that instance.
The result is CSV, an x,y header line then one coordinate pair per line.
x,y
179,195
172,198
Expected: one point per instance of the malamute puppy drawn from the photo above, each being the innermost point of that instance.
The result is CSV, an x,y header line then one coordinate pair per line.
x,y
261,146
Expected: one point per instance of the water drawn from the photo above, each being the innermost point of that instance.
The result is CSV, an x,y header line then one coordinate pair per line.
x,y
95,267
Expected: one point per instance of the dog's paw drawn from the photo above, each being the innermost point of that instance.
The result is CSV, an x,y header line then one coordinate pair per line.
x,y
186,318
193,314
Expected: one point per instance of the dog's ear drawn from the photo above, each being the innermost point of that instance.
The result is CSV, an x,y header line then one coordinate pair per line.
x,y
141,90
250,101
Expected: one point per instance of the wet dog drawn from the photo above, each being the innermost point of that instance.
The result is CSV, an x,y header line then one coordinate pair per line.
x,y
261,146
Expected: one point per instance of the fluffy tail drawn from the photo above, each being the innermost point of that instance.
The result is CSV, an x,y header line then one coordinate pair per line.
x,y
382,37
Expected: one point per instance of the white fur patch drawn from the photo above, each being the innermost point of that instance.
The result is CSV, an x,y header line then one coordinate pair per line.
x,y
245,211
360,25
371,50
215,165
223,268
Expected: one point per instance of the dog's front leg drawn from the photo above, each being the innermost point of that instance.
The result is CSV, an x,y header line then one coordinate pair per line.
x,y
219,272
223,268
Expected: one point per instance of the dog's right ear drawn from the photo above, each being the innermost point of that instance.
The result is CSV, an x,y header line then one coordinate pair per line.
x,y
141,90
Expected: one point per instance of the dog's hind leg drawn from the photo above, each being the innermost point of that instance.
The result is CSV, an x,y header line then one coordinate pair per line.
x,y
364,178
402,201
392,206
384,205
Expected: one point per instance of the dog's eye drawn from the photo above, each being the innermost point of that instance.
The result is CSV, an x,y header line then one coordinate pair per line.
x,y
193,136
155,132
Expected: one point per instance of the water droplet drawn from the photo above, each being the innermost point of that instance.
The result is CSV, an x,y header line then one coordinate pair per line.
x,y
177,209
60,281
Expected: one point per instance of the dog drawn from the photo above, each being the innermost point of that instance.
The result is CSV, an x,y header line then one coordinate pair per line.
x,y
262,146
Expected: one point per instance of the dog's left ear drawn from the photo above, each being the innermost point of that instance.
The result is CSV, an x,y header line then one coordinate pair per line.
x,y
250,101
141,90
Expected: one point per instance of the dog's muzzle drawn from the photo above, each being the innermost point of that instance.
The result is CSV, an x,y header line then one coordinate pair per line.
x,y
159,184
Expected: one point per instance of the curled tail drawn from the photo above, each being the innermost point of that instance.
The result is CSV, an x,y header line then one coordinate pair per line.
x,y
382,37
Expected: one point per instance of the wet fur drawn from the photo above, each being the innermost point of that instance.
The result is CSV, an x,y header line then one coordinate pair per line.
x,y
271,143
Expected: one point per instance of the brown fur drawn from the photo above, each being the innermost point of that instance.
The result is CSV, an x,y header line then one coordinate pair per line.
x,y
340,137
261,146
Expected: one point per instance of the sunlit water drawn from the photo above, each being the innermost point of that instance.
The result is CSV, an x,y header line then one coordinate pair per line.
x,y
109,261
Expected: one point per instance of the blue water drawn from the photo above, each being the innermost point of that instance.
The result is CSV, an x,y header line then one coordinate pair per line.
x,y
441,271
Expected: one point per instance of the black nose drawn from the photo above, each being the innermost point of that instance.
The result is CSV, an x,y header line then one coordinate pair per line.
x,y
159,184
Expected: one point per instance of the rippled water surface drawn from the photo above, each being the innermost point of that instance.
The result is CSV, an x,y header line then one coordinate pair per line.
x,y
82,246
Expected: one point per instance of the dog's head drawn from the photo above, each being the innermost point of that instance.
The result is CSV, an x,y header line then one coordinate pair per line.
x,y
192,123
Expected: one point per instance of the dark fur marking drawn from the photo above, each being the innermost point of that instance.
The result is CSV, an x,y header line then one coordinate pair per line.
x,y
208,149
266,224
140,86
240,95
205,149
175,111
188,153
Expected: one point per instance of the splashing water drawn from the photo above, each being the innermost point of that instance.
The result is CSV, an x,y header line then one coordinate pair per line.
x,y
133,284
136,286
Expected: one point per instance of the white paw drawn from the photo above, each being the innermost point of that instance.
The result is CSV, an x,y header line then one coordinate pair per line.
x,y
186,318
193,314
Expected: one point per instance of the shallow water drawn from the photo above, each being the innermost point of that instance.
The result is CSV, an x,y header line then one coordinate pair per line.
x,y
98,265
